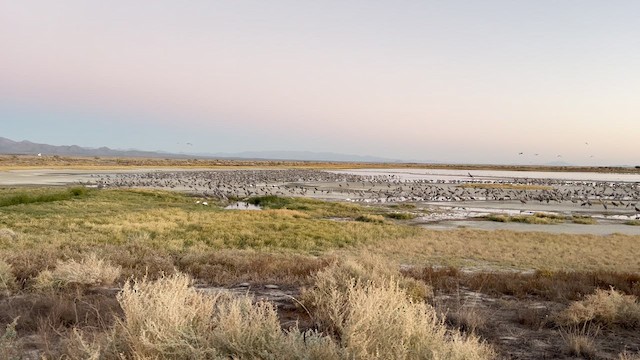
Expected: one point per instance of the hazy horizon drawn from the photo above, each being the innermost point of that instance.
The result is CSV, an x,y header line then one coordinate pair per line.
x,y
455,81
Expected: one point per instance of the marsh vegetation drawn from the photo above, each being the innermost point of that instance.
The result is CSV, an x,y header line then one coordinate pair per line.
x,y
86,273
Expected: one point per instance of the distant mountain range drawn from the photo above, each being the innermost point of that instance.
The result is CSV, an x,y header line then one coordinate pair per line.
x,y
8,146
302,155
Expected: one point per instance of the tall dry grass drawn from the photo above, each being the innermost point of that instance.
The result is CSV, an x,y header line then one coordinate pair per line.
x,y
169,319
377,314
607,307
7,279
90,271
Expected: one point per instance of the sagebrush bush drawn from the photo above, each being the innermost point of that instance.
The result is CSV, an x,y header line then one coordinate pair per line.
x,y
90,271
366,305
169,319
381,322
335,280
608,307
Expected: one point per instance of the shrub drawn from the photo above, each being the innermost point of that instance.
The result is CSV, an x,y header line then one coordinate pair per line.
x,y
370,308
169,319
607,307
90,271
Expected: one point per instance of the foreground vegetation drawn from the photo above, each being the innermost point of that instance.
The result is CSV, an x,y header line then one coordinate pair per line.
x,y
86,274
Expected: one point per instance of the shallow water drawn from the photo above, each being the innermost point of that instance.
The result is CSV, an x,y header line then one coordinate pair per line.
x,y
489,175
241,205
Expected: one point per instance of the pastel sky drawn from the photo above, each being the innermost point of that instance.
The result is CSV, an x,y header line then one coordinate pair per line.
x,y
453,81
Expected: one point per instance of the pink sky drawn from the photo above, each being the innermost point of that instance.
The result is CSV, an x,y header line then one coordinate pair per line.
x,y
448,81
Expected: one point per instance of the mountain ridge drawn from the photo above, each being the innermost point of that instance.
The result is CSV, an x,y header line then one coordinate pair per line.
x,y
26,147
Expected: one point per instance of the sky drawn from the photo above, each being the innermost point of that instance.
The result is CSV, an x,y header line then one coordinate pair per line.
x,y
448,81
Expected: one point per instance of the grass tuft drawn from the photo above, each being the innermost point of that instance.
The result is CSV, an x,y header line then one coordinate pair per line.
x,y
7,279
607,307
374,316
88,272
169,319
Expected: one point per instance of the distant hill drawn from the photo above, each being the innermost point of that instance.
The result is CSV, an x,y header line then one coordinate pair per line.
x,y
25,147
302,155
8,146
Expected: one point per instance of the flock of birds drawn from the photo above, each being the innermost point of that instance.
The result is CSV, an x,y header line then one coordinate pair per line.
x,y
621,197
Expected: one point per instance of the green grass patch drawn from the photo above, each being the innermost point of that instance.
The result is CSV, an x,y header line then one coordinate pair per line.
x,y
11,197
632,222
312,207
537,218
174,222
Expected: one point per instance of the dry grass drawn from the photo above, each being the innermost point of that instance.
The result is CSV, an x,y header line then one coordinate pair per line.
x,y
8,235
628,356
581,345
380,322
230,267
584,220
375,315
88,272
581,341
375,219
469,319
502,249
8,346
169,319
551,286
7,279
607,307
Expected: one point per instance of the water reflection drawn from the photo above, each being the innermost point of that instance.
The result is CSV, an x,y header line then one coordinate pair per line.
x,y
241,205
